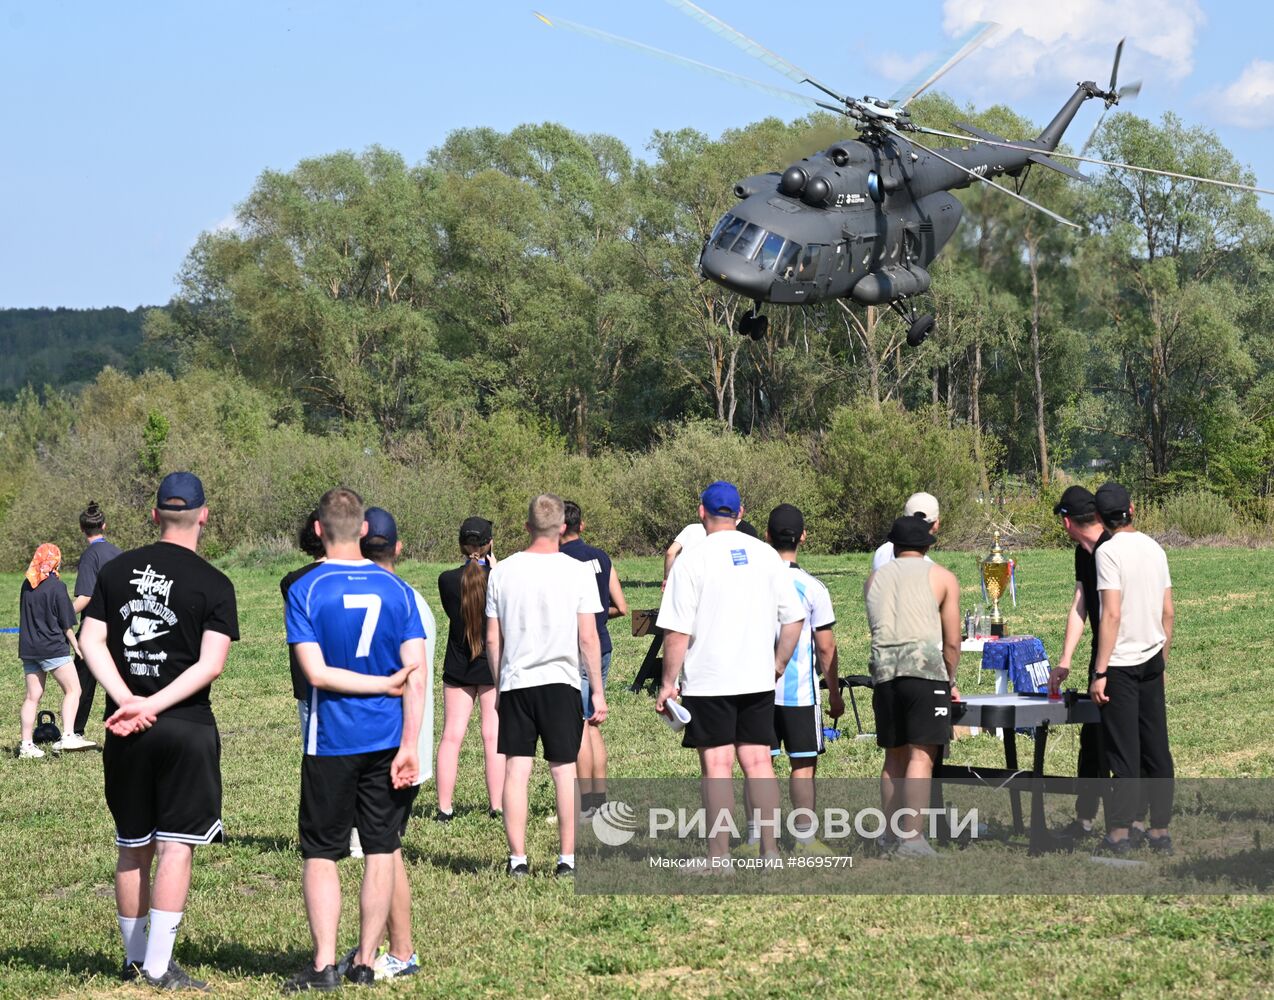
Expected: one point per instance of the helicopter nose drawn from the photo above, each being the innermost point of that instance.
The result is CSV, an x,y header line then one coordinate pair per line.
x,y
735,273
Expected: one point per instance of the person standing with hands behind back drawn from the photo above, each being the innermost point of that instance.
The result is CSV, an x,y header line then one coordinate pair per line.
x,y
96,555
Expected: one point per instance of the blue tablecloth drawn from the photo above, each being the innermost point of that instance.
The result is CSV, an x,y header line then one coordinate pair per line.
x,y
1023,657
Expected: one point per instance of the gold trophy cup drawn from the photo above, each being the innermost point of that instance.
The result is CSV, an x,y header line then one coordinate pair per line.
x,y
995,577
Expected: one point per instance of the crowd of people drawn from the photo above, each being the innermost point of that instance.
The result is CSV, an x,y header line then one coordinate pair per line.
x,y
749,645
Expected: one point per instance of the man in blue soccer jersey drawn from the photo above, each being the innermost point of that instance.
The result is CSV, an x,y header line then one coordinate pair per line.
x,y
798,716
360,640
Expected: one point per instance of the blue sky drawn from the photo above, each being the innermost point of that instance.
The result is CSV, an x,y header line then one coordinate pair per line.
x,y
133,127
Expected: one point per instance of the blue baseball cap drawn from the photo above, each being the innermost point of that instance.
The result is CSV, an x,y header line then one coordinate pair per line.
x,y
721,499
180,486
380,524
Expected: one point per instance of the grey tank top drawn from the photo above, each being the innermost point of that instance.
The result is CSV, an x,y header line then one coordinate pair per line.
x,y
906,627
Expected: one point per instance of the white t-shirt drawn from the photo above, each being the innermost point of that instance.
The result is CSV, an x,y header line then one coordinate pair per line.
x,y
690,535
536,596
1137,567
728,594
425,743
885,554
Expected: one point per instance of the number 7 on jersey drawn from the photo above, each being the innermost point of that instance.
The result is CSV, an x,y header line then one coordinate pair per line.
x,y
371,604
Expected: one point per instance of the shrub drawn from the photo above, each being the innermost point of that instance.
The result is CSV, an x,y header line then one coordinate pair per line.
x,y
1194,514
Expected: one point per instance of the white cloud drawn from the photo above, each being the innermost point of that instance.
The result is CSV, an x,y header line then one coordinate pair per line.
x,y
1249,100
227,224
1044,44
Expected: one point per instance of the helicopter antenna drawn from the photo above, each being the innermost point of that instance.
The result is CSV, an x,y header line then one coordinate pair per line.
x,y
984,180
1092,159
978,35
751,47
628,43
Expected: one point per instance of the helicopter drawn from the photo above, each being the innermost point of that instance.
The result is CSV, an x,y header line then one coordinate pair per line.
x,y
863,219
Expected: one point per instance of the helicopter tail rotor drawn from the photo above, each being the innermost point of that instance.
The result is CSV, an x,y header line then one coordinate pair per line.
x,y
1113,95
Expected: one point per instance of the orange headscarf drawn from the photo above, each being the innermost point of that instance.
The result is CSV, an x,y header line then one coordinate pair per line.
x,y
47,559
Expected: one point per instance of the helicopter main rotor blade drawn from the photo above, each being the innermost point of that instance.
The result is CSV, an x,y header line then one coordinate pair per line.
x,y
1103,163
979,34
752,48
1093,134
985,180
628,43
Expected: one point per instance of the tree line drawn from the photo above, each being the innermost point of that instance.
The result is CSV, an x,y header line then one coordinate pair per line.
x,y
550,277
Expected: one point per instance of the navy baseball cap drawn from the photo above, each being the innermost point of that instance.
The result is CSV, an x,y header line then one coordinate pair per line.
x,y
1076,502
380,524
721,499
180,486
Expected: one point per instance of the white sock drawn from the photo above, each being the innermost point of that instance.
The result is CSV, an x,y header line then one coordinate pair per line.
x,y
160,941
516,859
754,835
806,837
133,931
566,859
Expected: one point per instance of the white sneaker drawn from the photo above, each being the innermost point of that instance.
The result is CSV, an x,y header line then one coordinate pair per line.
x,y
915,847
389,967
29,751
72,741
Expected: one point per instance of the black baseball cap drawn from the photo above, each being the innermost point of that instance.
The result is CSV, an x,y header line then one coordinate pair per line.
x,y
1076,502
786,524
912,533
182,486
475,531
1112,501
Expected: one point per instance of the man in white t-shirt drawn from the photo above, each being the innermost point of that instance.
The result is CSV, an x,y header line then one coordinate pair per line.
x,y
541,634
918,505
382,546
688,536
724,600
1135,589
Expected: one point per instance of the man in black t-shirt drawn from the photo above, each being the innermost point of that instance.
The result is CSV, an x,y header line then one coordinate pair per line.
x,y
96,555
1078,510
156,633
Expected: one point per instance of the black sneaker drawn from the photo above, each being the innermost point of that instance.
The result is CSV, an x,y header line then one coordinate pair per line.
x,y
518,871
175,978
563,870
1108,848
310,978
496,813
1136,837
443,817
131,972
360,975
1076,830
1160,845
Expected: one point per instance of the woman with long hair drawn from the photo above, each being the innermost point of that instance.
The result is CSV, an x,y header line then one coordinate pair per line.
x,y
466,674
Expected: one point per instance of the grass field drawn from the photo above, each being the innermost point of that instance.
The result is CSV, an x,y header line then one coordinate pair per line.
x,y
480,935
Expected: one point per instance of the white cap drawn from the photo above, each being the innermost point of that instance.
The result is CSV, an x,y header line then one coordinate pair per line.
x,y
922,503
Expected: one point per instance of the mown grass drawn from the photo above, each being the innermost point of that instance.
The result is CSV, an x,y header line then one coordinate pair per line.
x,y
478,935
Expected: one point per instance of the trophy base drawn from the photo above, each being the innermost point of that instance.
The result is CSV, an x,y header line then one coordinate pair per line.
x,y
997,630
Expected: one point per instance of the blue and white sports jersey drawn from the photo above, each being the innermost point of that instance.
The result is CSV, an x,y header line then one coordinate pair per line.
x,y
799,684
359,614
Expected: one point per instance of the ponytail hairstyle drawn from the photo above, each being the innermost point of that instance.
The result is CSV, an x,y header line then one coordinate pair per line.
x,y
92,519
473,595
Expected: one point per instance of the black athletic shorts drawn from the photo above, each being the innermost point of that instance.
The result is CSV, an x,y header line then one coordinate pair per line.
x,y
729,719
548,713
164,783
798,729
339,793
912,710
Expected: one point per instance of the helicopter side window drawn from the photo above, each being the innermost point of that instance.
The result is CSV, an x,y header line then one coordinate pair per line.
x,y
809,262
787,259
771,251
729,233
842,256
748,240
716,230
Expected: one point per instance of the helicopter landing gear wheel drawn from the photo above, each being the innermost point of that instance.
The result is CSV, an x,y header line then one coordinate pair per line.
x,y
920,328
753,324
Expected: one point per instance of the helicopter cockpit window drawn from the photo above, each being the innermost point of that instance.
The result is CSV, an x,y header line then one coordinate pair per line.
x,y
787,260
809,262
729,233
771,250
748,240
716,230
